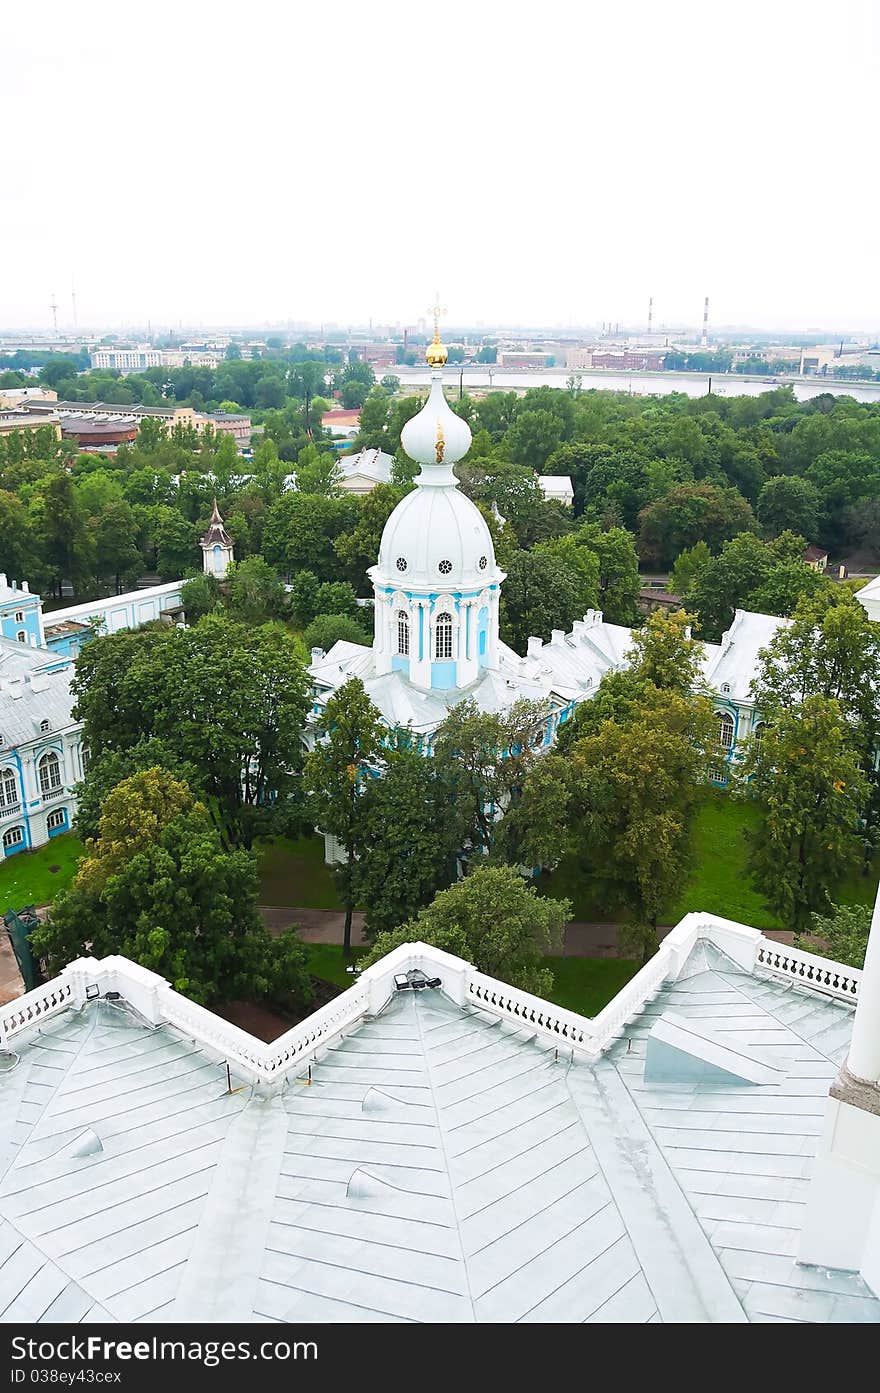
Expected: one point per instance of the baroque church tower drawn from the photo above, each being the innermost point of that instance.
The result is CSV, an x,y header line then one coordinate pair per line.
x,y
436,585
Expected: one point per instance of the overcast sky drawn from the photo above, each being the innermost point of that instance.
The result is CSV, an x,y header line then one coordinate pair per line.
x,y
556,161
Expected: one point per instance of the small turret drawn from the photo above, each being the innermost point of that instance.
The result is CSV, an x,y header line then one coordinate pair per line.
x,y
217,551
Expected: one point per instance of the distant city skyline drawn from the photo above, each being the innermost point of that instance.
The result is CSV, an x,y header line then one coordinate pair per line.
x,y
551,167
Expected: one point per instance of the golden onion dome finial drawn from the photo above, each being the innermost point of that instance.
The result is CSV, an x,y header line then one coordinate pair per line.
x,y
436,352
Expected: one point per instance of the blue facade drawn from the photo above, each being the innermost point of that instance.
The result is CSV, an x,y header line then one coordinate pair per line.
x,y
443,676
67,646
21,616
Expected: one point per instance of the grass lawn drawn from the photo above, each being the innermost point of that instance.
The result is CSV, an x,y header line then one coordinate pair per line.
x,y
36,877
720,882
586,985
325,960
293,873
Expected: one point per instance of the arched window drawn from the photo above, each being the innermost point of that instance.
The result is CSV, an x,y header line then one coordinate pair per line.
x,y
14,837
443,637
725,730
8,788
85,756
50,774
403,632
44,727
759,732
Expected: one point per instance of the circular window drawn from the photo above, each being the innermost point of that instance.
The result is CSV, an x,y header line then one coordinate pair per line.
x,y
483,563
444,568
400,563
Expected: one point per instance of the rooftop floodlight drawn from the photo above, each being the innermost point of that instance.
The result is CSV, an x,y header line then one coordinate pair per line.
x,y
92,990
401,981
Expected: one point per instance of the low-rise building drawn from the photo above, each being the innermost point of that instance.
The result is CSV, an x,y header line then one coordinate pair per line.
x,y
236,424
130,359
41,752
557,488
342,424
18,420
42,757
523,361
361,473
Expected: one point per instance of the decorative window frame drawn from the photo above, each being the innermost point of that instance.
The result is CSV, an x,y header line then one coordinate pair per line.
x,y
725,723
8,775
44,759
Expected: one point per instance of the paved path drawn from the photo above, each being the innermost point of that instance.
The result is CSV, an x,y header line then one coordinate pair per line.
x,y
582,940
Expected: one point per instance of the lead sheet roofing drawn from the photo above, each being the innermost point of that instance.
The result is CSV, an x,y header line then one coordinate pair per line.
x,y
441,1166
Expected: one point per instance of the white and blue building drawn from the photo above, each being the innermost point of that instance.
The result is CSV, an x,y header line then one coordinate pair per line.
x,y
437,589
42,756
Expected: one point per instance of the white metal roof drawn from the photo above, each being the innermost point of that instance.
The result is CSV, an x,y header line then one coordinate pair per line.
x,y
443,1164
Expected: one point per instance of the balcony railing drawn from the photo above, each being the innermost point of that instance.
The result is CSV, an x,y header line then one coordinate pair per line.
x,y
268,1064
9,810
832,979
49,796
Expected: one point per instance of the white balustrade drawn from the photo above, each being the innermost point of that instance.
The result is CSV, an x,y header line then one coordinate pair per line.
x,y
521,1008
152,997
34,1007
833,979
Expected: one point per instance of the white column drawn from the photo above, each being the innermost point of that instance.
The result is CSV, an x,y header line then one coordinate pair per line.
x,y
383,616
420,667
864,1050
842,1220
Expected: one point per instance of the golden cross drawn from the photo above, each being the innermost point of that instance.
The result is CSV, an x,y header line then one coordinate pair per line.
x,y
436,311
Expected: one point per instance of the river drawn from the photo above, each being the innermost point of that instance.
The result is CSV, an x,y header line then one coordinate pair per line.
x,y
641,384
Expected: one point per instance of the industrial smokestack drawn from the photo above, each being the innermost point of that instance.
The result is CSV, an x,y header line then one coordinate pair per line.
x,y
650,314
704,341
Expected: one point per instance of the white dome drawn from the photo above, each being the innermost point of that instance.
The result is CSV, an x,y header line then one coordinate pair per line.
x,y
436,438
437,539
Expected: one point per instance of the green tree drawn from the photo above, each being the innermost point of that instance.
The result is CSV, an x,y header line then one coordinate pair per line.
x,y
618,578
228,699
689,513
199,595
117,554
843,933
547,589
336,597
493,920
411,836
327,629
725,581
301,529
488,756
534,831
177,545
255,594
787,503
688,565
349,735
374,419
805,776
317,471
20,541
831,649
533,437
665,655
156,886
358,548
68,553
634,792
